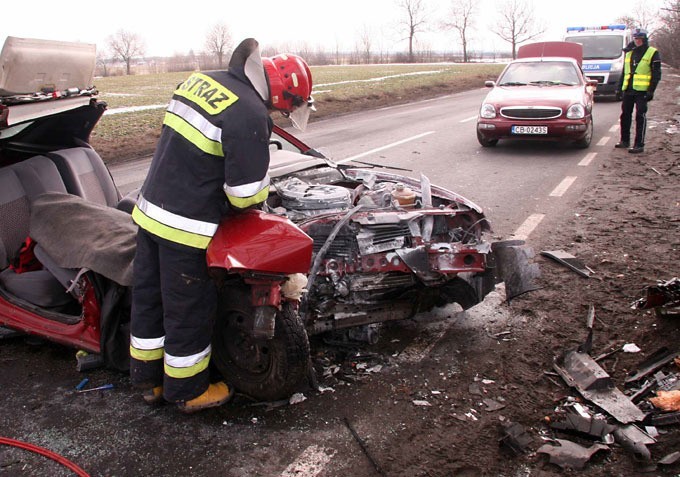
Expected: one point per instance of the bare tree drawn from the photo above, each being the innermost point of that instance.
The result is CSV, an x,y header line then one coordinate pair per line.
x,y
643,16
414,22
126,45
101,62
667,37
516,23
461,19
218,42
364,44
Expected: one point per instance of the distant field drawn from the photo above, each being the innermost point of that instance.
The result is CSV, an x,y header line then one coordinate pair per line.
x,y
337,90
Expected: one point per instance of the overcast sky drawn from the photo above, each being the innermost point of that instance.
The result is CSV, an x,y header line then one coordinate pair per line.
x,y
177,27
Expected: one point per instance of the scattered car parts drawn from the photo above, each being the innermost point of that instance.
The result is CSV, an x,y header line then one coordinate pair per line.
x,y
568,260
570,455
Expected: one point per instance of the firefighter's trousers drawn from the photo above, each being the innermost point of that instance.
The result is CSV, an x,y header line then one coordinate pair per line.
x,y
174,302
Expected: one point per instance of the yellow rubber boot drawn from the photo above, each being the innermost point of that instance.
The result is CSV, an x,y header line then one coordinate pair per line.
x,y
153,395
216,395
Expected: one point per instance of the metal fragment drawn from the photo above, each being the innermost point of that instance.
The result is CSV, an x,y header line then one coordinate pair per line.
x,y
569,261
582,372
570,455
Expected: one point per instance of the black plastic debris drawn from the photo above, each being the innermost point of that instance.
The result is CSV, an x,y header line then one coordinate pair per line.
x,y
569,261
634,440
665,419
655,361
515,438
492,405
583,373
570,455
664,297
514,265
585,426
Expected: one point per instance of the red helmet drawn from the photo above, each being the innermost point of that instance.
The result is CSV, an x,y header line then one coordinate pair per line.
x,y
290,82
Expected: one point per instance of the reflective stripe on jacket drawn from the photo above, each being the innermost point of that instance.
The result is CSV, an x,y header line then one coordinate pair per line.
x,y
642,76
213,154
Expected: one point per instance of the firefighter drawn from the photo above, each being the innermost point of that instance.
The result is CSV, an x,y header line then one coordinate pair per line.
x,y
211,159
641,75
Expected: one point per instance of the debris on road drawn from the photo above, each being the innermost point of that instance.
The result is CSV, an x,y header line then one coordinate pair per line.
x,y
664,298
654,362
630,348
635,440
105,387
297,398
667,400
515,438
569,261
570,455
582,372
595,428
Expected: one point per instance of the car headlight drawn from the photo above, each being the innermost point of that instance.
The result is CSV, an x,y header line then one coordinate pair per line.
x,y
576,111
487,111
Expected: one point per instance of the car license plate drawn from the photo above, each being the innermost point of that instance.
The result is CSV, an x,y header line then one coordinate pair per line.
x,y
529,130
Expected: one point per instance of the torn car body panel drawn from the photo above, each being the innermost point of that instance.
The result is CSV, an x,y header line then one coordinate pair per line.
x,y
582,372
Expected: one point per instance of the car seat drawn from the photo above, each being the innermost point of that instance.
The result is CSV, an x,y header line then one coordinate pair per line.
x,y
85,175
19,184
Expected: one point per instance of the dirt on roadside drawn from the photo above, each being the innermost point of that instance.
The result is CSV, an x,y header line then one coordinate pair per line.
x,y
438,412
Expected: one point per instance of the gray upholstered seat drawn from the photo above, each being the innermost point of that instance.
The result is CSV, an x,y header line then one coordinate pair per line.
x,y
19,185
85,175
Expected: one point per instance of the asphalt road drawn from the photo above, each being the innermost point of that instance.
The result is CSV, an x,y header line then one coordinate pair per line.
x,y
521,187
519,184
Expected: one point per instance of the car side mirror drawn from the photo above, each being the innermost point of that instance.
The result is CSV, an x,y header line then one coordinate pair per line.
x,y
489,84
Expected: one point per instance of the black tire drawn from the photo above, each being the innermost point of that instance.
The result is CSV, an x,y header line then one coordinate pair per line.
x,y
585,142
266,370
486,142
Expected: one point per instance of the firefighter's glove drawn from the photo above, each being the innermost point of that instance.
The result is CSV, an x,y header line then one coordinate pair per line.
x,y
649,95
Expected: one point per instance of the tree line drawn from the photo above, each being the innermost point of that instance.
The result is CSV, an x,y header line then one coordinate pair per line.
x,y
515,24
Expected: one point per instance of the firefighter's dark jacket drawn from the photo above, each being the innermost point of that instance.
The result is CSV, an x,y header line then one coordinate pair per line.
x,y
214,147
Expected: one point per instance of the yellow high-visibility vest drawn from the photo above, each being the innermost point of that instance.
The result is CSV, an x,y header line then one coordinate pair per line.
x,y
643,73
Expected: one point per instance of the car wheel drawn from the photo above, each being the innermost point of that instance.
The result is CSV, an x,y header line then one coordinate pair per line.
x,y
587,138
266,370
486,142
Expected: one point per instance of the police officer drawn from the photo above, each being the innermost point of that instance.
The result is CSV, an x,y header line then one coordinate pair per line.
x,y
212,157
641,75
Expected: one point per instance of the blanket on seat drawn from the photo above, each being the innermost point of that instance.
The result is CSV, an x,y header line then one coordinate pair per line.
x,y
81,234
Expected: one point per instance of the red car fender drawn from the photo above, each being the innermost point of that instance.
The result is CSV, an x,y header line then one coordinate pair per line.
x,y
259,242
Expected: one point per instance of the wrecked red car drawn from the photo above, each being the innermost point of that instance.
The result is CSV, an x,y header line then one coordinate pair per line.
x,y
335,246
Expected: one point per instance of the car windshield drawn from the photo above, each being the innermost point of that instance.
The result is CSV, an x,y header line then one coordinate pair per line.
x,y
539,73
599,47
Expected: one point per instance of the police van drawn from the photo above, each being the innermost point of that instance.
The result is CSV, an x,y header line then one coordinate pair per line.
x,y
602,54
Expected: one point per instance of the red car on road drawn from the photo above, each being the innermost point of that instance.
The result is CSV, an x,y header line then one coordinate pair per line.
x,y
543,95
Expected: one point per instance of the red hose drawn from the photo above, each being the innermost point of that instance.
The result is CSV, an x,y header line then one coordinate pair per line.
x,y
47,453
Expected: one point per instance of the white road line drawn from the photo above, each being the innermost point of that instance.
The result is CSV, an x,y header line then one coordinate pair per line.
x,y
415,353
467,120
563,186
588,159
310,463
603,141
614,128
528,226
378,149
